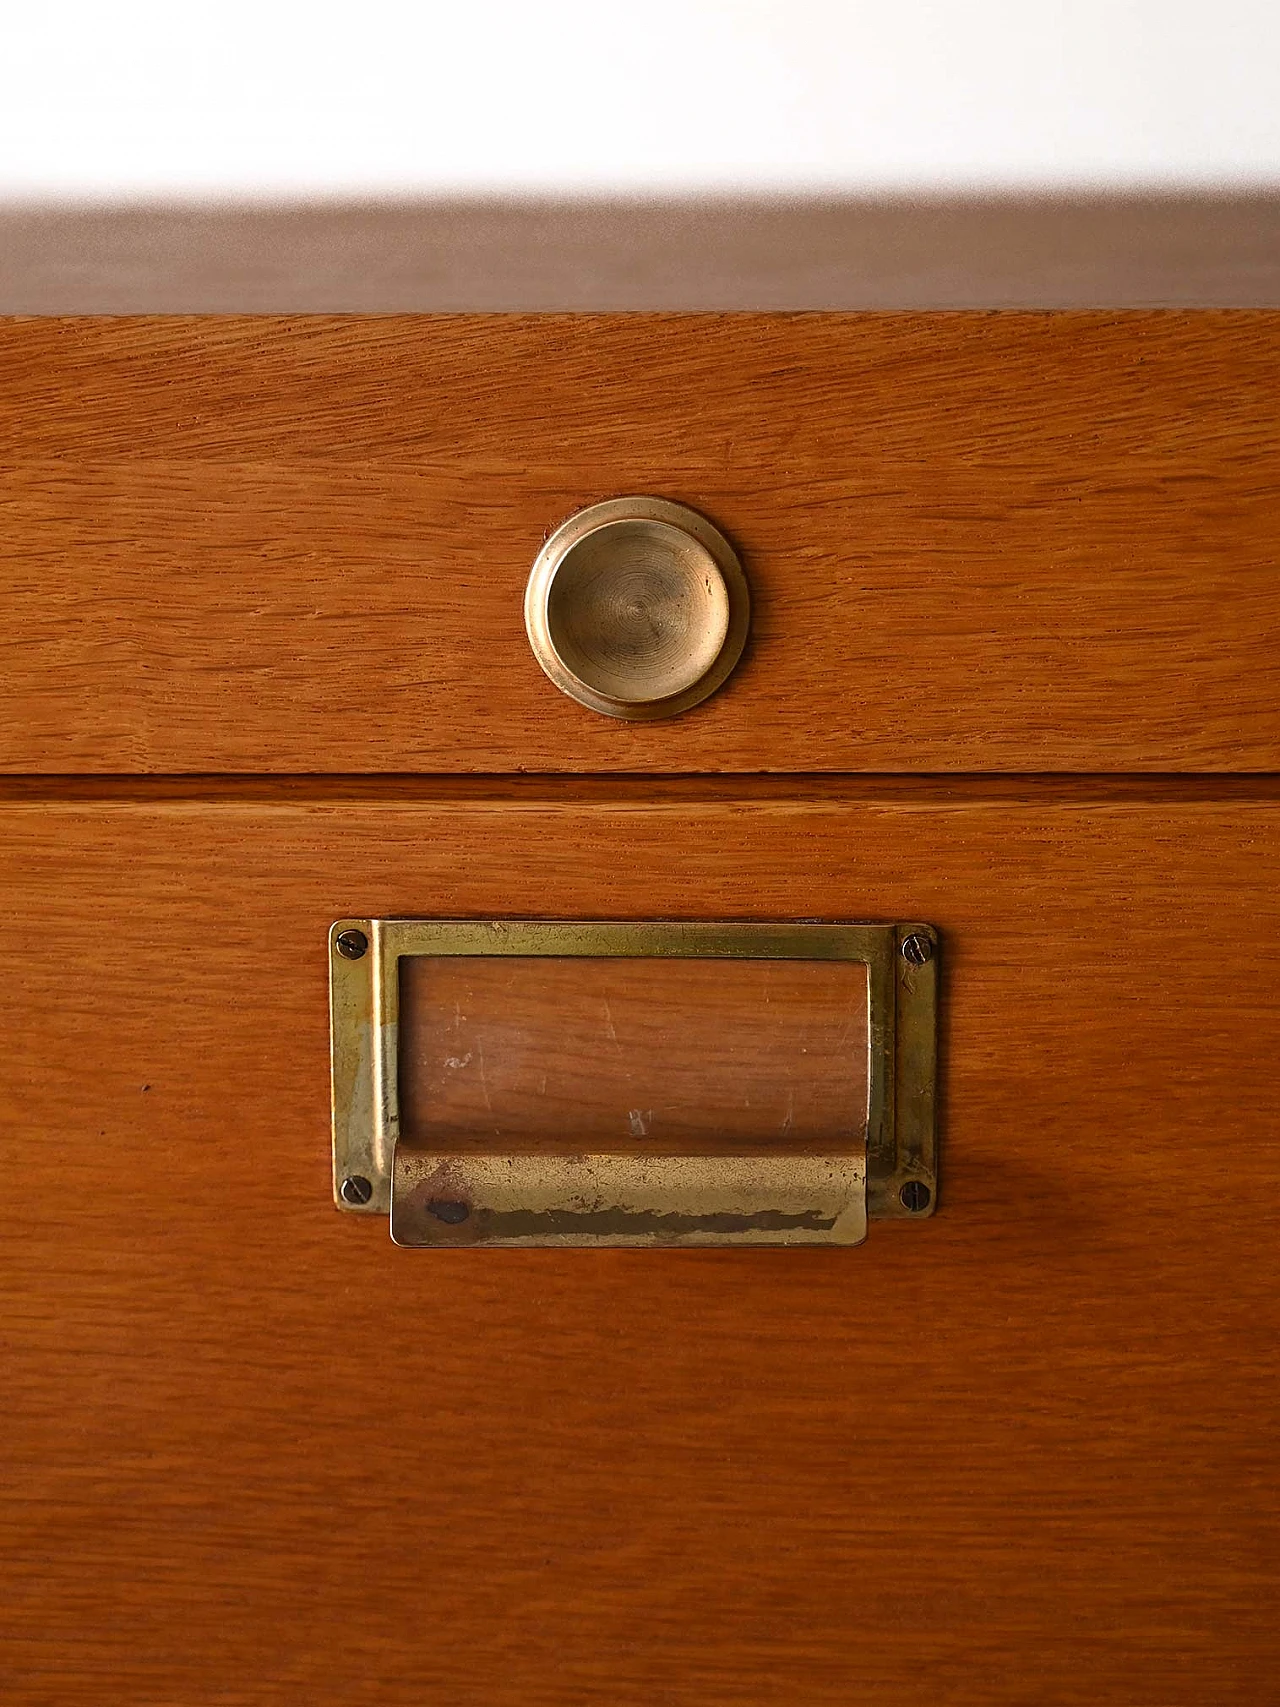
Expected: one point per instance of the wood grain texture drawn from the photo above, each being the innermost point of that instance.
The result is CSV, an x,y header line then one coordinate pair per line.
x,y
1023,1453
712,1057
975,541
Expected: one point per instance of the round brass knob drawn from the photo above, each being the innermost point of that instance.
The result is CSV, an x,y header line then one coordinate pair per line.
x,y
637,608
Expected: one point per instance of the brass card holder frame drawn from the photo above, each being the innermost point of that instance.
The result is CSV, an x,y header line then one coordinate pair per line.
x,y
570,1199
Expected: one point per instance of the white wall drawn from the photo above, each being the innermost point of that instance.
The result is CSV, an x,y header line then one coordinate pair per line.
x,y
249,98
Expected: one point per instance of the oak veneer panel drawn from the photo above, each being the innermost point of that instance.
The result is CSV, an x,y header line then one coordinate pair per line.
x,y
1024,1452
975,541
517,1052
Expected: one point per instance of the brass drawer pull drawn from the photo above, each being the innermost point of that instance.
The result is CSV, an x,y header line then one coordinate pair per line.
x,y
546,1083
637,608
627,1200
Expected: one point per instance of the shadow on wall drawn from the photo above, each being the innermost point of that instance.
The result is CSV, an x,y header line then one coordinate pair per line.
x,y
1060,251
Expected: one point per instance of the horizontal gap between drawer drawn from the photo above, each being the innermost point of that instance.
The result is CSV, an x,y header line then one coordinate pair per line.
x,y
934,790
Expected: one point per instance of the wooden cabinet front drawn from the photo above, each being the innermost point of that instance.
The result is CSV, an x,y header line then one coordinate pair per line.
x,y
1024,1451
1011,672
1012,542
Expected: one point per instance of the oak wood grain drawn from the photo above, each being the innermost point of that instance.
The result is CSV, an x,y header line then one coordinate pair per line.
x,y
1024,1452
975,541
515,1053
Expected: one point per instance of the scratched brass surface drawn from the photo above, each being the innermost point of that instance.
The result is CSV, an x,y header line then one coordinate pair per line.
x,y
897,1159
637,608
627,1200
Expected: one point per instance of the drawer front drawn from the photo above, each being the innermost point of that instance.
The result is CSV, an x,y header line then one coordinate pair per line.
x,y
1023,542
1025,1450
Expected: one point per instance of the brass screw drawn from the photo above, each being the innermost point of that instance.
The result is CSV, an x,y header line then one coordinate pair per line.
x,y
915,1196
356,1189
917,950
352,944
